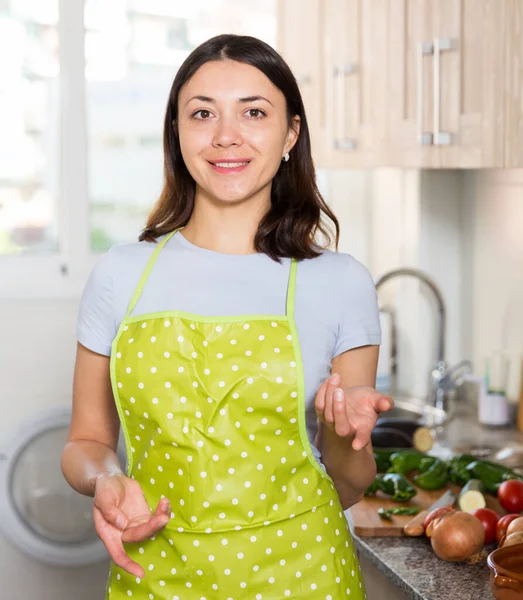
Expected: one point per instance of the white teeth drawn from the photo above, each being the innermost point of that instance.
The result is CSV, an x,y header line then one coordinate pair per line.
x,y
231,165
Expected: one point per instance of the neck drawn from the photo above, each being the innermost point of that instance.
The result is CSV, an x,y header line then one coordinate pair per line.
x,y
228,228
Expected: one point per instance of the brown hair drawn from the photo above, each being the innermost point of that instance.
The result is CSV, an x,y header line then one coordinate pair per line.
x,y
297,209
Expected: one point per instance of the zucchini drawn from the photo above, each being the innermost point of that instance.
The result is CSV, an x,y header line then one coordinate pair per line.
x,y
471,496
490,474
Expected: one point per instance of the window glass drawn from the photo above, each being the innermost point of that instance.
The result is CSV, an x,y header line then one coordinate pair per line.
x,y
29,126
133,49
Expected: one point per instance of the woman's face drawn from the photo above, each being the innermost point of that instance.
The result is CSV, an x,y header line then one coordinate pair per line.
x,y
233,130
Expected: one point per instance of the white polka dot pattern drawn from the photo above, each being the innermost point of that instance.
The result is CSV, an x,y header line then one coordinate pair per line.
x,y
211,415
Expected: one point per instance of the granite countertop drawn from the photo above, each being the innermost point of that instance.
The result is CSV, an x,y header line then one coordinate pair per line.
x,y
410,563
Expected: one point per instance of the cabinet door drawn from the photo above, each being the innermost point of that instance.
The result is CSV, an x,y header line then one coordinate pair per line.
x,y
469,83
355,38
410,84
514,85
299,41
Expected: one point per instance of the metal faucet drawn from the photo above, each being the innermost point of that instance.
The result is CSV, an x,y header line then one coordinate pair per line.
x,y
442,379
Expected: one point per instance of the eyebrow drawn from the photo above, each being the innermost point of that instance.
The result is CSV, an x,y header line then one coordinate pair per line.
x,y
245,100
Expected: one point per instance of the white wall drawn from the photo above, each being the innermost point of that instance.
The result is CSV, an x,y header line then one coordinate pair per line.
x,y
36,366
494,202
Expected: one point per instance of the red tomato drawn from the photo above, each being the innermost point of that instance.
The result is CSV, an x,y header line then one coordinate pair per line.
x,y
510,495
489,519
503,523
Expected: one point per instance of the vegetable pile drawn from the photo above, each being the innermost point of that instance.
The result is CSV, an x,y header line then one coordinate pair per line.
x,y
455,534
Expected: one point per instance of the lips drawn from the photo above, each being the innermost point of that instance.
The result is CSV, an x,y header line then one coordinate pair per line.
x,y
230,163
233,165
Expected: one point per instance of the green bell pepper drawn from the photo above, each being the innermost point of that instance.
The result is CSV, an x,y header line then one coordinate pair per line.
x,y
386,513
458,468
392,484
433,475
405,461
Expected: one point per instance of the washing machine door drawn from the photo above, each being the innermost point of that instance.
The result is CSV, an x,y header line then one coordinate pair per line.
x,y
41,514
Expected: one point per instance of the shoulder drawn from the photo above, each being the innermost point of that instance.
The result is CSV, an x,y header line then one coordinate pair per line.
x,y
122,260
335,268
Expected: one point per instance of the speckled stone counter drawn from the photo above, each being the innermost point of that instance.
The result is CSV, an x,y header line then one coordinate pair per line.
x,y
410,563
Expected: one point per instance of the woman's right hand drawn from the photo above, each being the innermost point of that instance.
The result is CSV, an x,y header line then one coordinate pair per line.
x,y
121,514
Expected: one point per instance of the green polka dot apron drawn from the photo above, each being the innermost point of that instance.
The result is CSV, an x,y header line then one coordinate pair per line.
x,y
213,414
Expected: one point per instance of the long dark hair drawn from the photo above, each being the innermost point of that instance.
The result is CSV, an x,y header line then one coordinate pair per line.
x,y
297,213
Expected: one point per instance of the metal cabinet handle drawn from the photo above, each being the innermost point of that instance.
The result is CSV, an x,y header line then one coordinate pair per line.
x,y
425,138
342,143
441,138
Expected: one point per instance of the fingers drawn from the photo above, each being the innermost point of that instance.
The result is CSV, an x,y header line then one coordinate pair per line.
x,y
105,502
328,412
138,531
112,539
385,403
362,437
319,401
380,402
342,425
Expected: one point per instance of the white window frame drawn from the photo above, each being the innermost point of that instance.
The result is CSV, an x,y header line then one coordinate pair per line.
x,y
62,274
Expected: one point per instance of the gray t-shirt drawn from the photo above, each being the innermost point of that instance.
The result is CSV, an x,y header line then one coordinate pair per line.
x,y
335,306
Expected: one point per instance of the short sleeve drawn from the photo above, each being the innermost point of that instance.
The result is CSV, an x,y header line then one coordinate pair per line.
x,y
359,323
96,323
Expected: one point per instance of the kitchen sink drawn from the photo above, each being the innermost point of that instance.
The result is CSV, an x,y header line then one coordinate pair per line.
x,y
411,408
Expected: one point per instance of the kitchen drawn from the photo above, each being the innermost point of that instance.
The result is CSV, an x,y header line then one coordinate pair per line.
x,y
407,195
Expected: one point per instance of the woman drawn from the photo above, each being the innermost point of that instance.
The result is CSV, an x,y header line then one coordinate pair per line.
x,y
231,335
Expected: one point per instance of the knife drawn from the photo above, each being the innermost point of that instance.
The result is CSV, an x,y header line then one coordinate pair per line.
x,y
415,526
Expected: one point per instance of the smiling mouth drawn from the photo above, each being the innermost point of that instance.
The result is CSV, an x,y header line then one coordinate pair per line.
x,y
230,165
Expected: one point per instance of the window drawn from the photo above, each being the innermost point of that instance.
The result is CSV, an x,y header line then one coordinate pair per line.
x,y
83,90
132,54
29,132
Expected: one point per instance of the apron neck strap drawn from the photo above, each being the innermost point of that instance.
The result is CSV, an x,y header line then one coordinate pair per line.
x,y
145,275
291,290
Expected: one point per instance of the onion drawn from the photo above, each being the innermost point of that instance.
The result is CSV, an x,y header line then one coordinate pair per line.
x,y
456,536
510,540
515,525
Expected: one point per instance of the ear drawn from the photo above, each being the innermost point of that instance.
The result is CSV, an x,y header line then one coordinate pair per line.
x,y
292,134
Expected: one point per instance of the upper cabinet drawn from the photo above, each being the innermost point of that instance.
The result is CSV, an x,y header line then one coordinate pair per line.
x,y
355,81
512,97
300,43
412,83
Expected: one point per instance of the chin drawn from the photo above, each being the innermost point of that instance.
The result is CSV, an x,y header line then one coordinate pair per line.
x,y
231,196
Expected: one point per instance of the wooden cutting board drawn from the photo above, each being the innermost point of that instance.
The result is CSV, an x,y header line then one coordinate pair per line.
x,y
367,522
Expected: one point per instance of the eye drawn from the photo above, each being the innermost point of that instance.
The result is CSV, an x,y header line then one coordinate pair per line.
x,y
255,113
204,115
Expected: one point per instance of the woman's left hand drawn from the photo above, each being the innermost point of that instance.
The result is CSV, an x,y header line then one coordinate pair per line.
x,y
351,411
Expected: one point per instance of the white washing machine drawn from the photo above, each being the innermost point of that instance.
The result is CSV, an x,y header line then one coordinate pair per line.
x,y
41,514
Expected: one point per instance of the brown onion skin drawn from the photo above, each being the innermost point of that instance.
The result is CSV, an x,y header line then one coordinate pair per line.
x,y
456,536
515,525
436,513
510,540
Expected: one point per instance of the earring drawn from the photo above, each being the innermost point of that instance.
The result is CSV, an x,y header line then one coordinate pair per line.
x,y
286,157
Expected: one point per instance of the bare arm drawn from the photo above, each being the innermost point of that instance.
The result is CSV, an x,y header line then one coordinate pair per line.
x,y
351,470
93,435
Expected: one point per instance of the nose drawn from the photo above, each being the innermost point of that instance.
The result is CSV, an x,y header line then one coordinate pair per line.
x,y
227,132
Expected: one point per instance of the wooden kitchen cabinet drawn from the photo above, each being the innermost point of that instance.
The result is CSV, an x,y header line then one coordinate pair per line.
x,y
355,45
300,43
446,82
410,83
513,96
